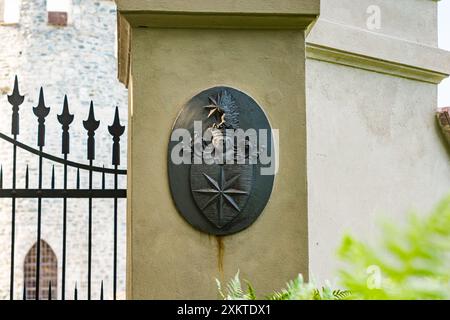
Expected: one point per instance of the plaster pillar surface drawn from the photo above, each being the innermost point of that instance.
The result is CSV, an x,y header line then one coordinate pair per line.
x,y
170,51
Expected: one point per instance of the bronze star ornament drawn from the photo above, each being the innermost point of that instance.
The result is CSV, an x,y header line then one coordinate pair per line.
x,y
221,190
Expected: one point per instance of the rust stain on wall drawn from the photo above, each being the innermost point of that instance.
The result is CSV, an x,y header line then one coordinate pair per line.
x,y
220,253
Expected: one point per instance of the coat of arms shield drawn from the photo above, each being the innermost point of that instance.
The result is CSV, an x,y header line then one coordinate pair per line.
x,y
216,195
221,191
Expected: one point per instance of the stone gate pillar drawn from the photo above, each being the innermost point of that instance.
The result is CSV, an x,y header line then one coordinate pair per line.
x,y
169,51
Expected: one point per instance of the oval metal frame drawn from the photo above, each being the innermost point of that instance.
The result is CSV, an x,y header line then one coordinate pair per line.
x,y
251,115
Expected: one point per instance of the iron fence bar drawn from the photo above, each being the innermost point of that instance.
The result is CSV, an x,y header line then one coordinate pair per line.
x,y
63,275
103,180
78,179
52,185
40,111
65,118
13,222
90,236
15,99
116,130
61,193
115,239
60,160
38,241
27,178
90,125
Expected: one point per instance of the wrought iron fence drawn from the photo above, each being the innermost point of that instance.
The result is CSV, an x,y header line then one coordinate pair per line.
x,y
65,119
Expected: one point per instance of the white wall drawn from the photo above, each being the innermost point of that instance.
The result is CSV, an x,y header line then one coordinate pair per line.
x,y
444,43
374,149
373,152
399,18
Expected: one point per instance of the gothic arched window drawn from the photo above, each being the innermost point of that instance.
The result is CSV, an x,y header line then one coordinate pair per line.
x,y
48,272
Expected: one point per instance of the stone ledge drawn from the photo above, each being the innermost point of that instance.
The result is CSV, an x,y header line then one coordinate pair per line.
x,y
215,20
331,55
340,44
311,7
223,14
123,48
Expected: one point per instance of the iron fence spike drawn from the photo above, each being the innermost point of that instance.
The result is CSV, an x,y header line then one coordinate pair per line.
x,y
41,111
15,99
116,130
91,124
65,119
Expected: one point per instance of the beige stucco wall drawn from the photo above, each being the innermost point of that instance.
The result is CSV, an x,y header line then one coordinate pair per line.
x,y
167,257
367,145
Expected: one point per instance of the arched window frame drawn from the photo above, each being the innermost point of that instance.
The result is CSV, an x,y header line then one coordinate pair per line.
x,y
48,272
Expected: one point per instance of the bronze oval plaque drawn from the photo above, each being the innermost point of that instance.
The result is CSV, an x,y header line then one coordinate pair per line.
x,y
221,161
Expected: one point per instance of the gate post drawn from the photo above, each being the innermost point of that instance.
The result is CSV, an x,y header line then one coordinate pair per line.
x,y
169,51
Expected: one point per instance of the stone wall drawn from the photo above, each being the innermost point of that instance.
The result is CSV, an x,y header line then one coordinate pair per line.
x,y
78,60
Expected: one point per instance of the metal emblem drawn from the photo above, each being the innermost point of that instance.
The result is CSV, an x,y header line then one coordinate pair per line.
x,y
219,188
221,191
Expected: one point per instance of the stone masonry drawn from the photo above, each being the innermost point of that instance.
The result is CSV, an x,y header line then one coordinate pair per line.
x,y
78,60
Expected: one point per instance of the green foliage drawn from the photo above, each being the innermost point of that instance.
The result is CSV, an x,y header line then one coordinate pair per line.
x,y
295,290
234,290
408,262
